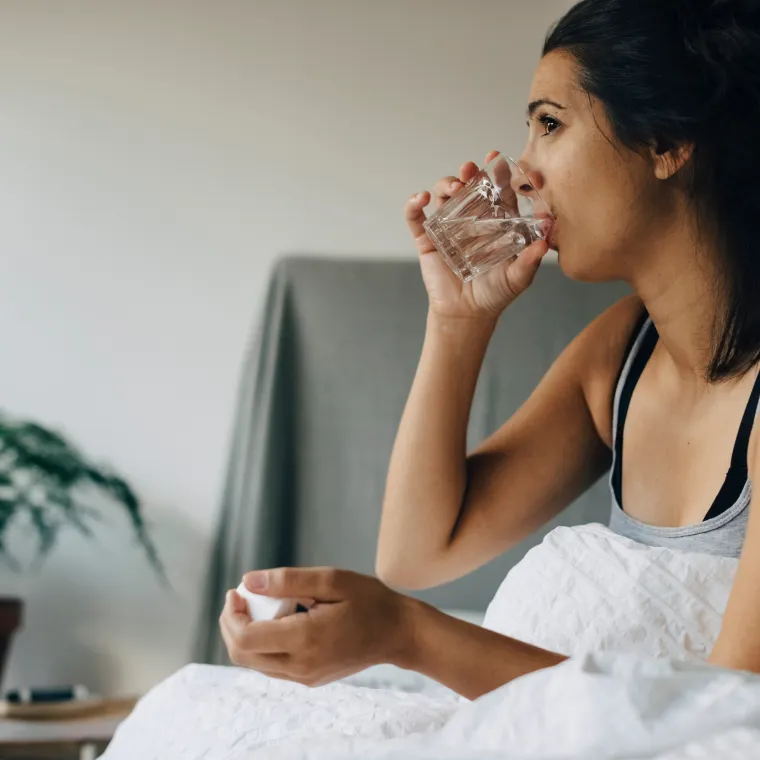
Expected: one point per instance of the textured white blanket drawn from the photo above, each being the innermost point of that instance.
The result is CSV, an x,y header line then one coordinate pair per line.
x,y
589,589
648,615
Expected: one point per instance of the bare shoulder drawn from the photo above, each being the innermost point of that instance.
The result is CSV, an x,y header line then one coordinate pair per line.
x,y
601,350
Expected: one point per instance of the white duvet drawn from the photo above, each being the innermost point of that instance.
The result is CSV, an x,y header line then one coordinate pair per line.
x,y
637,622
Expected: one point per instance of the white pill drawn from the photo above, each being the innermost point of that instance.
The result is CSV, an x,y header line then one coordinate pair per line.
x,y
266,607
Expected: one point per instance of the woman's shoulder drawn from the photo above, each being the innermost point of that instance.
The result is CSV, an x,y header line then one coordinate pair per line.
x,y
603,347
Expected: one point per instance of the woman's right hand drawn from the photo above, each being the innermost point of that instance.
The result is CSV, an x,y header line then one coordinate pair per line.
x,y
488,294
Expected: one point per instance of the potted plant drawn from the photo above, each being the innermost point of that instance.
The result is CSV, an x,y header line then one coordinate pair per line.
x,y
47,484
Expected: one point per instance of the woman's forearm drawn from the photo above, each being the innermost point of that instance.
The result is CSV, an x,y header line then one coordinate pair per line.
x,y
466,658
427,473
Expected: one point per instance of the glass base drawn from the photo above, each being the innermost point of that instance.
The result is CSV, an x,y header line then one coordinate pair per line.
x,y
449,251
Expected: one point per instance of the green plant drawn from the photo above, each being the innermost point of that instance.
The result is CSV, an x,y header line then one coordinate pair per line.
x,y
46,480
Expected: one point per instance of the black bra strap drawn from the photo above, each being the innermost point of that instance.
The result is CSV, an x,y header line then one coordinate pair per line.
x,y
737,473
637,367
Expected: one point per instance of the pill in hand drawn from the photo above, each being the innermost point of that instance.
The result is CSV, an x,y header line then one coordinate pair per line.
x,y
266,607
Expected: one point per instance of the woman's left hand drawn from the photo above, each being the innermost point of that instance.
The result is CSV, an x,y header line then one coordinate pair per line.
x,y
356,622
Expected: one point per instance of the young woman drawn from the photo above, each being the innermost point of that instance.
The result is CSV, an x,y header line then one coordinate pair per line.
x,y
643,140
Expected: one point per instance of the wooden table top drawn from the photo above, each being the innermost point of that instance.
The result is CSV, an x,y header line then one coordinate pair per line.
x,y
97,724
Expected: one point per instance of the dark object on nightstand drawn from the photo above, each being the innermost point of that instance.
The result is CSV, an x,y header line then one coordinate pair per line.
x,y
10,621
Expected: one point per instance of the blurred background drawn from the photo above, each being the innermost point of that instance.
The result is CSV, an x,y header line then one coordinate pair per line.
x,y
155,160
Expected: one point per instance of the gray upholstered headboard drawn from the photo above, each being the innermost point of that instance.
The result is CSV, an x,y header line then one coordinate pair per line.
x,y
320,401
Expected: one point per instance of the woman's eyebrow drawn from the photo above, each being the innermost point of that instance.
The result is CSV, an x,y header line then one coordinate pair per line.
x,y
534,104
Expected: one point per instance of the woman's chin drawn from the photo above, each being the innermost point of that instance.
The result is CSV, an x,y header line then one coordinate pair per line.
x,y
575,267
583,266
564,264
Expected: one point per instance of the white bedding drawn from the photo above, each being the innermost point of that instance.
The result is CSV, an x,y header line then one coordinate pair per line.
x,y
589,589
636,620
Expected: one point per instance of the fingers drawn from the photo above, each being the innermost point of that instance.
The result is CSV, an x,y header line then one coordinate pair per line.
x,y
262,636
447,186
241,653
523,270
469,169
243,650
237,604
415,215
444,189
323,584
535,252
508,180
285,649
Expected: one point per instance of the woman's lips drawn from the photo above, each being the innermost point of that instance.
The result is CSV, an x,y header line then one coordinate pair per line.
x,y
551,236
547,228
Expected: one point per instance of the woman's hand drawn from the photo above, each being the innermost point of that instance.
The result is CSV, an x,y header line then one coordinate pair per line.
x,y
355,622
487,295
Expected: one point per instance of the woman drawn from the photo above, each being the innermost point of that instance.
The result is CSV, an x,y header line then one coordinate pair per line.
x,y
642,140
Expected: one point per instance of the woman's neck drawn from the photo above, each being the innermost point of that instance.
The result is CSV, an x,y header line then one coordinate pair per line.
x,y
677,283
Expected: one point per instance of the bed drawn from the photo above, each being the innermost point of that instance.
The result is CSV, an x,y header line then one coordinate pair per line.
x,y
637,623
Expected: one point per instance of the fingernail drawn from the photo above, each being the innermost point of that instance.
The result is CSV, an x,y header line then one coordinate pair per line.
x,y
257,581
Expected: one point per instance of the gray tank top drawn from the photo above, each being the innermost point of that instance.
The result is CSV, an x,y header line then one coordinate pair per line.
x,y
724,527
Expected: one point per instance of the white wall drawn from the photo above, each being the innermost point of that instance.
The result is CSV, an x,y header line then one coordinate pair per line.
x,y
154,159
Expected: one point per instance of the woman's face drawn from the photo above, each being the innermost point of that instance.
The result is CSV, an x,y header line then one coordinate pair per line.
x,y
606,199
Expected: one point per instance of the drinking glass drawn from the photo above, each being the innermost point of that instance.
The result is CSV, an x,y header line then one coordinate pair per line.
x,y
497,214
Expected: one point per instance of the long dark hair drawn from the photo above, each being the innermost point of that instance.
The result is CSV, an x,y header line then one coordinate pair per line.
x,y
675,72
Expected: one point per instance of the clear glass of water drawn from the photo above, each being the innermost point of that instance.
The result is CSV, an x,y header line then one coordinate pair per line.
x,y
497,214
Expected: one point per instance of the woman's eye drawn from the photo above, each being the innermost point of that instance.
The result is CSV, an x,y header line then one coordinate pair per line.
x,y
549,122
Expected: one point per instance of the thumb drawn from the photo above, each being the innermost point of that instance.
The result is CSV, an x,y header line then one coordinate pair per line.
x,y
323,584
521,271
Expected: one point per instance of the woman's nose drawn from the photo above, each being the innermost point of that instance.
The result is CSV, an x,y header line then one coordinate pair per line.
x,y
527,180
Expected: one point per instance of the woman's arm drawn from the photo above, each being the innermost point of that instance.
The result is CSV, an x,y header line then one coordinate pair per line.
x,y
468,659
738,645
358,622
427,474
446,513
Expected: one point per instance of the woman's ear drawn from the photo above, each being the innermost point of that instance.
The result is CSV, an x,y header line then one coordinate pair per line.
x,y
668,161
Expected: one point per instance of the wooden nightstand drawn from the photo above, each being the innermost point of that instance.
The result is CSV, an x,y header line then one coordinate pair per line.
x,y
74,737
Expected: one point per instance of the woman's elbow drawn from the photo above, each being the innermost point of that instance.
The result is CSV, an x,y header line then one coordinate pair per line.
x,y
399,576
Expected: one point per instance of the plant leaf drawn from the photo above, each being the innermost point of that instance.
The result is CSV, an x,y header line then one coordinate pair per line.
x,y
57,469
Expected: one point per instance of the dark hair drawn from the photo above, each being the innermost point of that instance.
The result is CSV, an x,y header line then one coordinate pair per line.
x,y
677,72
